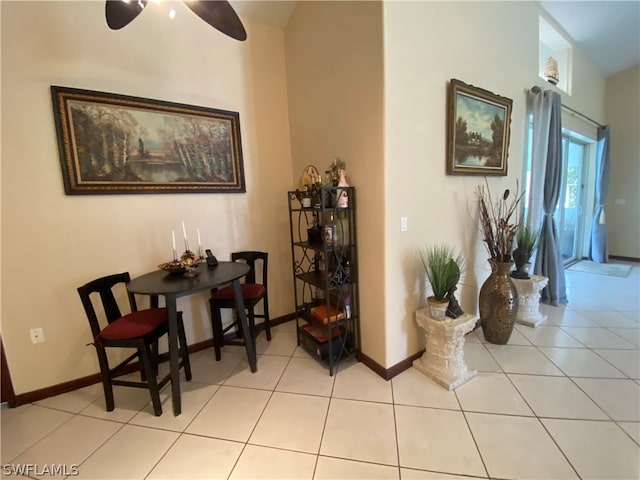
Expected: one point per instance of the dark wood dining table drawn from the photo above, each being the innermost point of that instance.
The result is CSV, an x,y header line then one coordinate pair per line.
x,y
171,287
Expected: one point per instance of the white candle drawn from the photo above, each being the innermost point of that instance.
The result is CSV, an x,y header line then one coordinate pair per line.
x,y
199,243
173,240
184,232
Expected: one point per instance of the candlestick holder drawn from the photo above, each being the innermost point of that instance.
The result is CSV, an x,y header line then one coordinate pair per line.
x,y
190,261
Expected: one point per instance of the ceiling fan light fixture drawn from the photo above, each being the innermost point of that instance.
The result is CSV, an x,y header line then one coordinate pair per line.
x,y
220,15
217,13
139,2
119,13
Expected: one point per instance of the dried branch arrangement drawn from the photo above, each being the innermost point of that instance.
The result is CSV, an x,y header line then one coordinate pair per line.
x,y
499,220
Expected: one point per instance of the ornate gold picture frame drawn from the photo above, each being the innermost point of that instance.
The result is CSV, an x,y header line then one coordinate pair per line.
x,y
112,144
478,128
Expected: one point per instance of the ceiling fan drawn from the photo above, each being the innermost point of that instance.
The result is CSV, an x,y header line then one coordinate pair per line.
x,y
217,13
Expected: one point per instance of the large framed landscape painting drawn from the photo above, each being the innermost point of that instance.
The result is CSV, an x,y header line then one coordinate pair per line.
x,y
112,143
477,130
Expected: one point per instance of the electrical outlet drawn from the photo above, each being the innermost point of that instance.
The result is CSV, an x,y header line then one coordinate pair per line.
x,y
37,335
403,224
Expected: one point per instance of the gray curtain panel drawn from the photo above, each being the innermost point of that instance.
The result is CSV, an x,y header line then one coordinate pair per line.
x,y
539,105
549,258
598,247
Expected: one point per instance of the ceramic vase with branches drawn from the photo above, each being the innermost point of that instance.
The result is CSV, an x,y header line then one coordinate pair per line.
x,y
498,299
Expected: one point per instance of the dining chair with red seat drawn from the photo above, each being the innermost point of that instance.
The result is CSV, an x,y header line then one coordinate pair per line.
x,y
139,329
253,292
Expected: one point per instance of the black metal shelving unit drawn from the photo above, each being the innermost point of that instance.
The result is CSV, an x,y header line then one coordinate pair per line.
x,y
325,275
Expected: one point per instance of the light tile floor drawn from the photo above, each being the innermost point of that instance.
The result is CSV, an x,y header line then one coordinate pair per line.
x,y
560,401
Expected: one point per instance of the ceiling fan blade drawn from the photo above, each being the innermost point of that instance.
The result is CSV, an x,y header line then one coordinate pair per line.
x,y
219,14
119,13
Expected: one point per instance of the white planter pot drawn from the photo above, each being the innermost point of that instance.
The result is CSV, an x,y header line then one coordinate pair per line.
x,y
437,309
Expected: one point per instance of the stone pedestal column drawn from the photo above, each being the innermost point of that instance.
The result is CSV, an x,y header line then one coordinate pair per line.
x,y
529,299
443,360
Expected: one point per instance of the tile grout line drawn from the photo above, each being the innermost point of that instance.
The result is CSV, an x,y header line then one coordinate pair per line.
x,y
473,437
326,416
183,431
246,443
395,429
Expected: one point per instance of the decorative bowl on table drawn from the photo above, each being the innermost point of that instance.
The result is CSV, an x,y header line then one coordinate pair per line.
x,y
174,267
187,265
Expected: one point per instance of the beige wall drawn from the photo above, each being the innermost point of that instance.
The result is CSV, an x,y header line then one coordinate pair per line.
x,y
493,45
335,74
623,202
425,44
363,81
52,243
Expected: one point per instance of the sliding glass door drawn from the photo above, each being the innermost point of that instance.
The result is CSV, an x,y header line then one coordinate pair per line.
x,y
569,212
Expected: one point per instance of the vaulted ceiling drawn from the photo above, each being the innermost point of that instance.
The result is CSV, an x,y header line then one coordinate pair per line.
x,y
607,32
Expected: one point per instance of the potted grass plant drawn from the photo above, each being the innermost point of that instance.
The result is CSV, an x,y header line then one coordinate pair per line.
x,y
527,240
443,266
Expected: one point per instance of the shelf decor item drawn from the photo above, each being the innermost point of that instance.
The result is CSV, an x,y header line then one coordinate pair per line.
x,y
327,314
334,172
312,338
341,194
498,299
309,174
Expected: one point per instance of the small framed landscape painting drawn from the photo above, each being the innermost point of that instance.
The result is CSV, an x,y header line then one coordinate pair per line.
x,y
477,131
